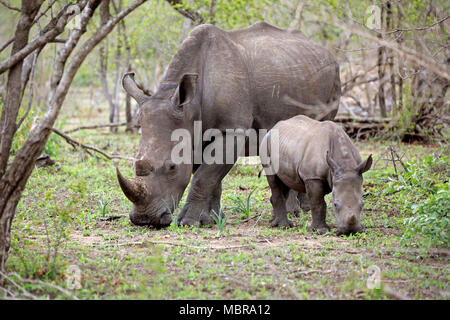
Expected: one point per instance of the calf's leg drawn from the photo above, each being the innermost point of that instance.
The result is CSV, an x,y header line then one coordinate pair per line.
x,y
278,199
304,202
292,204
315,190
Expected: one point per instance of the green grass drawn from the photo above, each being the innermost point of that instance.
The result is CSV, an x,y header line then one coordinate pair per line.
x,y
60,222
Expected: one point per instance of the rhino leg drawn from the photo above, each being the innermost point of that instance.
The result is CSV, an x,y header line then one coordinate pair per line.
x,y
204,195
292,204
304,202
316,193
278,199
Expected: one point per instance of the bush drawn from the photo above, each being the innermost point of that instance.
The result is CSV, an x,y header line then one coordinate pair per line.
x,y
423,193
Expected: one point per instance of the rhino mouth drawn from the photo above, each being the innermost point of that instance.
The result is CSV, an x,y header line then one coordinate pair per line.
x,y
159,219
349,230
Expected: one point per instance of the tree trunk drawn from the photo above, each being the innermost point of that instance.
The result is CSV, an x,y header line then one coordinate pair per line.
x,y
381,70
14,179
390,58
15,86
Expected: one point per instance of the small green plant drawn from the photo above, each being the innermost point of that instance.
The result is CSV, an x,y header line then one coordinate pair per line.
x,y
103,206
174,213
221,220
242,206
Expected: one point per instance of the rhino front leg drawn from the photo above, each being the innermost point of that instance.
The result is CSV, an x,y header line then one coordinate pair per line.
x,y
315,190
278,199
204,195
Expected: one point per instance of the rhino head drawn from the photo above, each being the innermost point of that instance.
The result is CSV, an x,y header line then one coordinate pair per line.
x,y
159,183
347,194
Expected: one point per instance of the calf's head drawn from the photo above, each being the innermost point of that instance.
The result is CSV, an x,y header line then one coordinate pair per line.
x,y
347,194
159,183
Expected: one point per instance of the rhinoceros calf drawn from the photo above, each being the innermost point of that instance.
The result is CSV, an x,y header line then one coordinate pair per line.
x,y
315,158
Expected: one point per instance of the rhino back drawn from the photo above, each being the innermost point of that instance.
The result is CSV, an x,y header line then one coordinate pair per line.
x,y
256,76
289,74
303,146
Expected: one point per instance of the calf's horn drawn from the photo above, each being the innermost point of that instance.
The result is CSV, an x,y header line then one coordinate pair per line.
x,y
130,86
134,189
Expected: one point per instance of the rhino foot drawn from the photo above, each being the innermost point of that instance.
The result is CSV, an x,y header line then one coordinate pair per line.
x,y
195,214
281,222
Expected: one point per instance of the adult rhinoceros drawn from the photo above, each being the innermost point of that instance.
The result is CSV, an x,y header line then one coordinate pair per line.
x,y
249,78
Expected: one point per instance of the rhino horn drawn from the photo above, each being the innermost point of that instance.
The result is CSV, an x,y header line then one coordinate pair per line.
x,y
134,189
130,86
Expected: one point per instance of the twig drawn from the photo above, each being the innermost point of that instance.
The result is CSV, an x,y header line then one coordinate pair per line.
x,y
75,143
313,271
30,99
25,292
110,218
96,126
48,284
421,28
394,294
9,6
137,243
245,220
7,43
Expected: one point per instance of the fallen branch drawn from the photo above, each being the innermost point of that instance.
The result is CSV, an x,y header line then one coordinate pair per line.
x,y
313,271
76,144
96,126
138,243
391,293
51,285
363,128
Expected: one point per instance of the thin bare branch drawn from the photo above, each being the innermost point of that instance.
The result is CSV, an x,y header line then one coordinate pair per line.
x,y
76,143
4,3
96,126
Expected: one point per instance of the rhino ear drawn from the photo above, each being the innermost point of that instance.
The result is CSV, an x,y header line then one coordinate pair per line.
x,y
186,89
365,165
331,163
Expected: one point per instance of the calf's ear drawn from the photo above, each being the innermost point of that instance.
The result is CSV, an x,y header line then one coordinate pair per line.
x,y
331,163
186,89
365,165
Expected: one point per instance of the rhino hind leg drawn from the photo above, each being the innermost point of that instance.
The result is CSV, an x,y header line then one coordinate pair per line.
x,y
304,202
315,190
292,203
280,193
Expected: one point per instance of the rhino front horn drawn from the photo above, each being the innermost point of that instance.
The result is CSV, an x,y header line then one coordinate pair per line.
x,y
134,189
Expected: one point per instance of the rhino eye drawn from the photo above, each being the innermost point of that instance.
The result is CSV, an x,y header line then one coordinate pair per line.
x,y
336,203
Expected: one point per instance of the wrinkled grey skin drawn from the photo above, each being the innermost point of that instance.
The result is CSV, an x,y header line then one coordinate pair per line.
x,y
249,78
317,158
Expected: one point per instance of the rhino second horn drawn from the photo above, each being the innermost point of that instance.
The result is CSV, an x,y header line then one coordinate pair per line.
x,y
134,189
130,86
